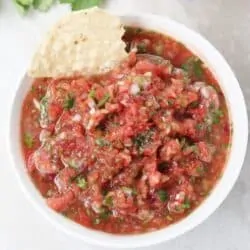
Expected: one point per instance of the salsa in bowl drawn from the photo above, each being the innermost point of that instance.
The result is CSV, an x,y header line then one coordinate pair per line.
x,y
136,149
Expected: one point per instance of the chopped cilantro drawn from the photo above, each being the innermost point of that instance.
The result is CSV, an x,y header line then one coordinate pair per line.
x,y
103,101
162,194
28,140
102,142
104,214
81,182
216,115
69,102
186,204
142,139
193,66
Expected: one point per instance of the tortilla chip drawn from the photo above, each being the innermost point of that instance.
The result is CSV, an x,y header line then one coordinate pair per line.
x,y
82,43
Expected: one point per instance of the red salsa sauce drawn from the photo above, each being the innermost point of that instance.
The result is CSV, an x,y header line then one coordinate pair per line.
x,y
131,151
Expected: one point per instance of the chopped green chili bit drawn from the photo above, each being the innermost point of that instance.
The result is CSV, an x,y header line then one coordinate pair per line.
x,y
28,140
142,139
103,101
81,182
162,194
193,65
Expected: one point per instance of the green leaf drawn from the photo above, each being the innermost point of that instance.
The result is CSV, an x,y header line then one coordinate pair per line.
x,y
69,102
162,195
104,99
85,4
43,5
81,182
28,140
22,9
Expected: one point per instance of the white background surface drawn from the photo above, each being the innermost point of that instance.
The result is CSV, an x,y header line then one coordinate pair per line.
x,y
224,22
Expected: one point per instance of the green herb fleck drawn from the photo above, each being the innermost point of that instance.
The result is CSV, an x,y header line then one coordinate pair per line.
x,y
103,101
28,140
162,195
69,102
186,204
142,139
102,142
193,66
194,104
81,182
216,116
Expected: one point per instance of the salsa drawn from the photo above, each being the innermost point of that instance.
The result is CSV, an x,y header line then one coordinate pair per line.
x,y
133,150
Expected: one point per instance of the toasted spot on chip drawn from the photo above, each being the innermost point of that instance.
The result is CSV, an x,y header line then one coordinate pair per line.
x,y
82,43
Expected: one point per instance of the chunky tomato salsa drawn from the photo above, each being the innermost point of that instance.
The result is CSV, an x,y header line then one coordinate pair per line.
x,y
133,150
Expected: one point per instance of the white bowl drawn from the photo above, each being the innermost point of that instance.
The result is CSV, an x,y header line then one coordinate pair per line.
x,y
230,86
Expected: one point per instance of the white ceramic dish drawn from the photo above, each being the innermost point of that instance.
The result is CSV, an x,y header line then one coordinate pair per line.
x,y
230,86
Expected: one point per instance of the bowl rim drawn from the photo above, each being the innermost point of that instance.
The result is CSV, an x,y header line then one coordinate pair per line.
x,y
237,108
